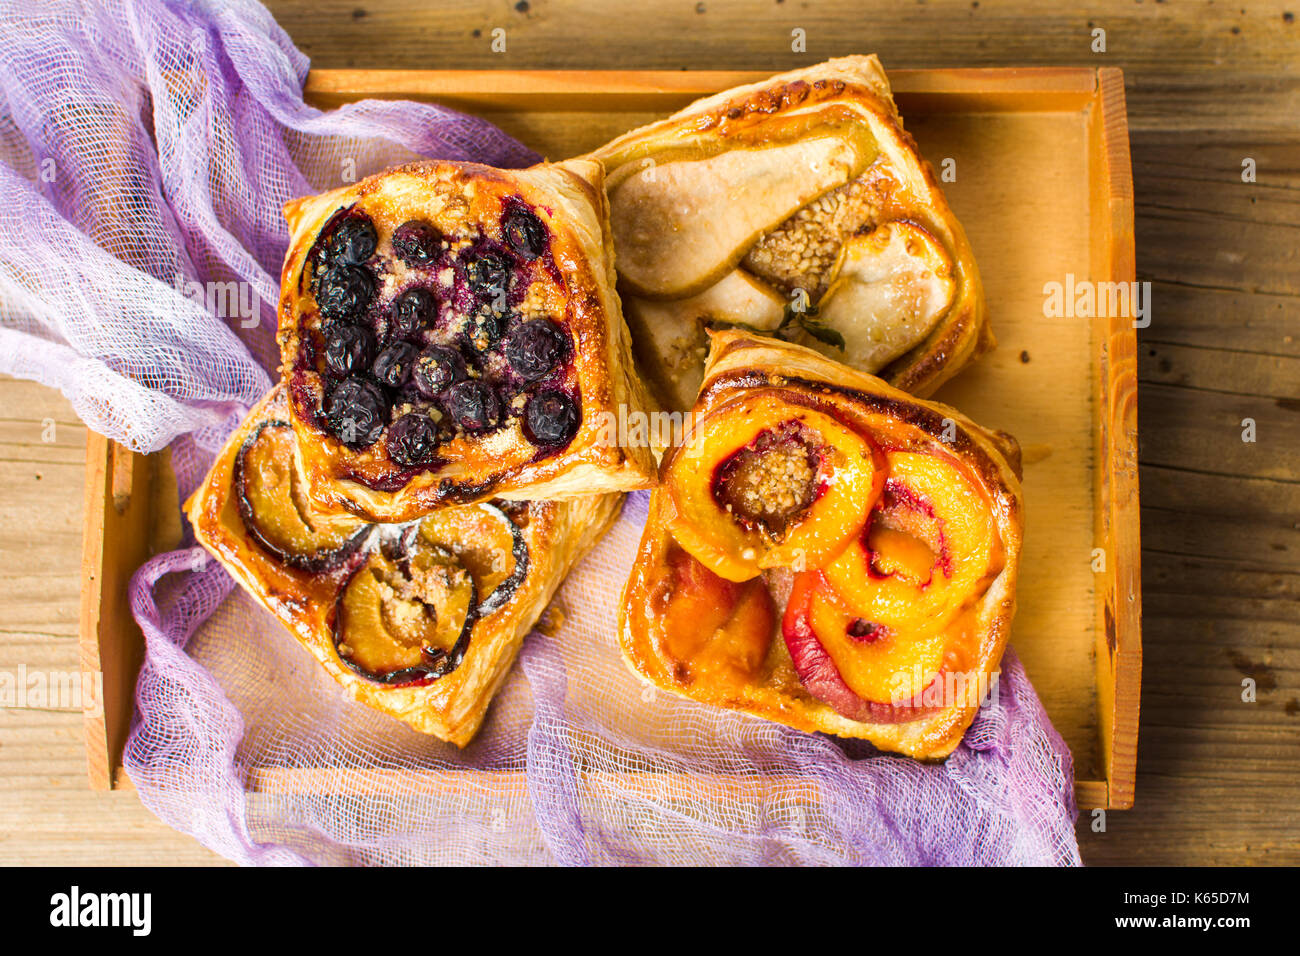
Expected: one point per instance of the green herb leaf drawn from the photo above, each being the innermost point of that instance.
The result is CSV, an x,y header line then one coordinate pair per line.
x,y
826,334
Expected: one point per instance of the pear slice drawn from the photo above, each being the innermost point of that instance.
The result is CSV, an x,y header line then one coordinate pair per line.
x,y
670,345
680,226
670,339
738,298
889,288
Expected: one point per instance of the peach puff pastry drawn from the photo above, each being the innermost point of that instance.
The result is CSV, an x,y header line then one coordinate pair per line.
x,y
450,333
827,552
421,620
797,207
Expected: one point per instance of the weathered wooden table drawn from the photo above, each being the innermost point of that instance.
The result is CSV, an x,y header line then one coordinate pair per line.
x,y
1210,86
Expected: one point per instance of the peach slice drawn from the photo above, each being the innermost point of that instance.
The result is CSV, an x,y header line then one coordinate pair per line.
x,y
878,662
864,671
717,631
929,544
764,483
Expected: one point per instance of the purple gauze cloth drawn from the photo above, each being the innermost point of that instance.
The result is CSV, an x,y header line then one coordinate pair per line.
x,y
146,149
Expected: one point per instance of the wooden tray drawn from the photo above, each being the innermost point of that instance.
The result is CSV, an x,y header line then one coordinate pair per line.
x,y
1044,189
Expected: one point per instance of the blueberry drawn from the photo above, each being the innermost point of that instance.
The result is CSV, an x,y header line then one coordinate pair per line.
x,y
535,347
394,364
525,232
416,243
344,292
472,405
437,367
356,411
485,328
488,274
348,348
413,440
352,242
413,311
550,418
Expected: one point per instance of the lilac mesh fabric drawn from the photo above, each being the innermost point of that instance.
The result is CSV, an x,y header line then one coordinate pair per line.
x,y
145,150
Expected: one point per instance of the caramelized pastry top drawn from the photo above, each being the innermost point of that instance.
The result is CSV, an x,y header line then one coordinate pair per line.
x,y
797,207
420,620
447,332
827,552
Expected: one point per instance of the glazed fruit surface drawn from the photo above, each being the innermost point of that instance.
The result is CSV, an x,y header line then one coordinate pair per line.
x,y
412,341
406,597
880,552
761,483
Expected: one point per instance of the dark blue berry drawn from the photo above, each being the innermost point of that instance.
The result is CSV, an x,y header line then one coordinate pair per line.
x,y
525,232
413,311
344,292
488,274
472,405
413,440
357,411
485,328
352,242
437,367
550,418
393,365
348,348
416,243
535,347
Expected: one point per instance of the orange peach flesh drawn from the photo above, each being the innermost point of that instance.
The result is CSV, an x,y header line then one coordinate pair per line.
x,y
814,525
713,630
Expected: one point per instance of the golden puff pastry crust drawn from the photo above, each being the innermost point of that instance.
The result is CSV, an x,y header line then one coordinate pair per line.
x,y
799,207
450,333
421,621
827,552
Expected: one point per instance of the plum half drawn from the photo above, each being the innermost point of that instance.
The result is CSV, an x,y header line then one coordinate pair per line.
x,y
406,621
488,543
272,505
406,616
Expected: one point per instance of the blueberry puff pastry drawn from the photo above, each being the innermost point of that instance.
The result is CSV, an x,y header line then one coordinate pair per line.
x,y
796,207
420,620
450,333
827,552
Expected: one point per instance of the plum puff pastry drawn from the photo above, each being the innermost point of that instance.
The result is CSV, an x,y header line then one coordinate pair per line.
x,y
421,621
797,207
827,552
450,333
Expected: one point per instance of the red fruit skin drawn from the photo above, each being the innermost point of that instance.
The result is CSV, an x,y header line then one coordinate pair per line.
x,y
817,671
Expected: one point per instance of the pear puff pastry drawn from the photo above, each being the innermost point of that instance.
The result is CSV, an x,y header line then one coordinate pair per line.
x,y
422,620
797,207
450,333
827,552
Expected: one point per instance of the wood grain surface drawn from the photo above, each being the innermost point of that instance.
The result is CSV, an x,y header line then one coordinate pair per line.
x,y
1209,84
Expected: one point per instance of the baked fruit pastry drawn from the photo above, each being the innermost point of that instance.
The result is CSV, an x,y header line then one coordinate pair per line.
x,y
450,333
827,552
796,207
421,620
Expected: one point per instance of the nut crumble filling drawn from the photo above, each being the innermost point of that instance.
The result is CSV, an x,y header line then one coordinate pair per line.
x,y
770,482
